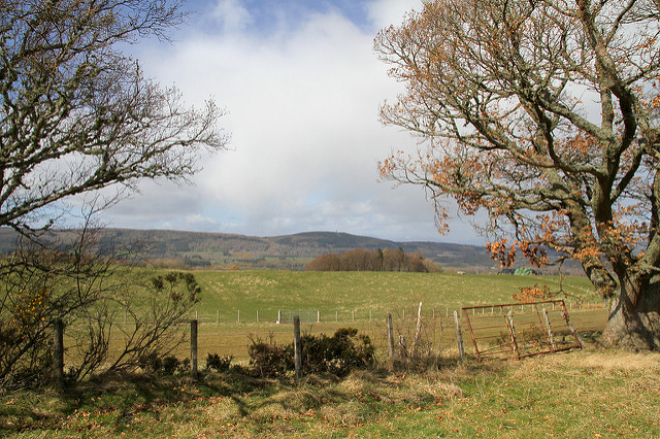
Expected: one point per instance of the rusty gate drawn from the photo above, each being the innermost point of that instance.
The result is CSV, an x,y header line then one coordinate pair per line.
x,y
520,330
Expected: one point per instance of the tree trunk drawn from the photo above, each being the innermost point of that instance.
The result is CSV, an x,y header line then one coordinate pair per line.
x,y
634,321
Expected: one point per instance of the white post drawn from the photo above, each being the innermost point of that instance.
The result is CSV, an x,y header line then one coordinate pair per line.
x,y
459,336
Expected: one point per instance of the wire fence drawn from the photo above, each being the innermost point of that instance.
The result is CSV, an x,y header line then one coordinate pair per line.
x,y
433,328
345,316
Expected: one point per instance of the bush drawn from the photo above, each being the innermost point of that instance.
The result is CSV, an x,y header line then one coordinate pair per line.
x,y
338,355
218,363
170,365
267,358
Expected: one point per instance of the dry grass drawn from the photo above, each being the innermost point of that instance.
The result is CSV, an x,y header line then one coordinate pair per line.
x,y
585,393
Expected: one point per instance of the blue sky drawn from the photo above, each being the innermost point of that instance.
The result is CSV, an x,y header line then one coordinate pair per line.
x,y
302,87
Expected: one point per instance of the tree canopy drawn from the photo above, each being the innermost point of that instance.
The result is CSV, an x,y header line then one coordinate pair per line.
x,y
543,113
77,113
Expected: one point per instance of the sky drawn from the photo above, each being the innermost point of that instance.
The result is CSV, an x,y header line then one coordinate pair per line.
x,y
302,87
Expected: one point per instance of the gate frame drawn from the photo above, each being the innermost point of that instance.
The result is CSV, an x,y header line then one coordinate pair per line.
x,y
508,317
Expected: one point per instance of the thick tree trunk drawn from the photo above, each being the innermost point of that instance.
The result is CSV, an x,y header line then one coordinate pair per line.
x,y
634,322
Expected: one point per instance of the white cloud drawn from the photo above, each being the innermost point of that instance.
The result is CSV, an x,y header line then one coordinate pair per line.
x,y
384,13
303,116
232,16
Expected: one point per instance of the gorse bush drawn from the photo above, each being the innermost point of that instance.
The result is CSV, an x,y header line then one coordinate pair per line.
x,y
346,350
219,364
338,355
267,358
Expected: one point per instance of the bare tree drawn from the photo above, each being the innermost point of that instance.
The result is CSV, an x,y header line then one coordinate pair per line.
x,y
77,114
114,315
545,114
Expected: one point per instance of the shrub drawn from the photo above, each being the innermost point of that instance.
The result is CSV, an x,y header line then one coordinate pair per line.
x,y
218,363
170,365
267,358
338,355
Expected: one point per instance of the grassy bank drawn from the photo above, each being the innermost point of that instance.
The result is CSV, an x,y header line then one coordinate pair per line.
x,y
590,394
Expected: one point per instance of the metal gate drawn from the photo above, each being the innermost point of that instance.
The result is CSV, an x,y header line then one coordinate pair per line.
x,y
519,330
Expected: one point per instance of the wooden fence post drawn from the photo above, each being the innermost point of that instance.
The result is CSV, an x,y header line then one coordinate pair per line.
x,y
58,355
459,336
193,349
418,330
390,334
297,348
512,332
548,328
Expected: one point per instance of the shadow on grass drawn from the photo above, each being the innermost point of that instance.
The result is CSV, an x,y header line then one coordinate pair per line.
x,y
120,402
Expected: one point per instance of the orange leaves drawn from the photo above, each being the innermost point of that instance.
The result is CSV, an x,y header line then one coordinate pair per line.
x,y
533,294
498,251
536,254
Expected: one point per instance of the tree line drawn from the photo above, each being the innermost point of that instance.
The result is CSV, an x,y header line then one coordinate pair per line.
x,y
367,260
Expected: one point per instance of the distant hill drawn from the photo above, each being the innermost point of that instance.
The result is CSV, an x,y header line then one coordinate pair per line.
x,y
279,252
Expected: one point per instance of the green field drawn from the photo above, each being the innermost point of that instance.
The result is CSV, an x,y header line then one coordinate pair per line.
x,y
234,300
240,306
581,393
344,295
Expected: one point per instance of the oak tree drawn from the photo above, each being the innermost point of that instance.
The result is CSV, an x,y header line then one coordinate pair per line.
x,y
77,113
543,113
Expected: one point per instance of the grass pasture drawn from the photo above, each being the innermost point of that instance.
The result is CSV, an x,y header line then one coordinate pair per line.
x,y
580,394
238,306
586,393
232,301
340,296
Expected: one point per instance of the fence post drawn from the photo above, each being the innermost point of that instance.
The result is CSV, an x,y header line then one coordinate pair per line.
x,y
193,349
548,328
573,330
418,330
390,334
459,336
58,354
297,353
512,332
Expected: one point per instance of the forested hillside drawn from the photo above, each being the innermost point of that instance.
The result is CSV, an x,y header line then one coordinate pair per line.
x,y
196,249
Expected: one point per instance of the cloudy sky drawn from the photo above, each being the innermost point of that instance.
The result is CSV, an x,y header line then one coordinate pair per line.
x,y
302,87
